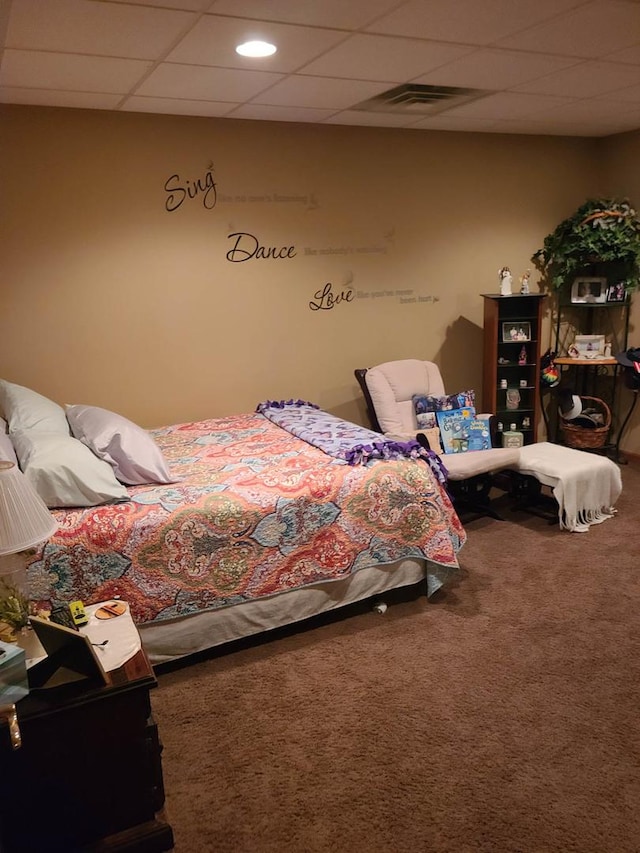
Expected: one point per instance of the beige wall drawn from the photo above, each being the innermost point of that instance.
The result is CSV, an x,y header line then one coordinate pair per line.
x,y
108,298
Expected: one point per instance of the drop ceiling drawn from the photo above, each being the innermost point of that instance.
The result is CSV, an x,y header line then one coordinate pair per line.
x,y
559,67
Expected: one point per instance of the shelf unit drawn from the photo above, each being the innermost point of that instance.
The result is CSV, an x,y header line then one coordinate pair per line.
x,y
502,363
596,377
610,319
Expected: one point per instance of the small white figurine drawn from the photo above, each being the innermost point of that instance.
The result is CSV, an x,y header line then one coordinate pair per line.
x,y
505,281
607,349
524,283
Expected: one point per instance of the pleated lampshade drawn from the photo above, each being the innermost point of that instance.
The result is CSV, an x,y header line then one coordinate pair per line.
x,y
25,520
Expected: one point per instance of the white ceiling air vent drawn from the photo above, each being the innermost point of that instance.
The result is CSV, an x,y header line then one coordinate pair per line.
x,y
421,100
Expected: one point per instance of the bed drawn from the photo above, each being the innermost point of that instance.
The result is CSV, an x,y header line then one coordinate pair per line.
x,y
271,517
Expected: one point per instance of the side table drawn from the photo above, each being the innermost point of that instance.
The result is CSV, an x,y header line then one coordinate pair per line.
x,y
88,776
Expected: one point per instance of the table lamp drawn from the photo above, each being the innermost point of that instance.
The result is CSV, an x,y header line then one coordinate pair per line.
x,y
25,522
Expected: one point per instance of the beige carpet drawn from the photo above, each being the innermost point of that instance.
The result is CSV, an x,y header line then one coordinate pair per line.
x,y
502,715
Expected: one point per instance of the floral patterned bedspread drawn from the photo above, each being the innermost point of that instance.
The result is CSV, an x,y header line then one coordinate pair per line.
x,y
256,512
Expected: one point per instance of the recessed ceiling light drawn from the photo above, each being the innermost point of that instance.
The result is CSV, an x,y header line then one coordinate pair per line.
x,y
256,49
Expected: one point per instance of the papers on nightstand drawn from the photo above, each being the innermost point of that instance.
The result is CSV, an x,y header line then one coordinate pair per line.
x,y
120,632
122,635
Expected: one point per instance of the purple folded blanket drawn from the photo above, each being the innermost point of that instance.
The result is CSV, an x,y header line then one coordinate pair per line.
x,y
343,440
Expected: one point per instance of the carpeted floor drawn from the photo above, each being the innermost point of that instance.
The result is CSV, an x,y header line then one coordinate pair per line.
x,y
501,715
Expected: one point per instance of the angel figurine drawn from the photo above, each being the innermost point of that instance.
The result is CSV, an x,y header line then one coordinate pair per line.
x,y
505,281
524,283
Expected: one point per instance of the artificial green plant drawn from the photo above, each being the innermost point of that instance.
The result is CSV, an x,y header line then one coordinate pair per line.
x,y
601,231
14,606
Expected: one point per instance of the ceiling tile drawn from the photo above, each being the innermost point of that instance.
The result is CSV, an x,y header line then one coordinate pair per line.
x,y
465,21
560,126
322,92
581,118
590,31
598,108
31,69
53,98
106,29
172,106
273,113
495,69
184,5
507,103
213,41
369,57
584,80
630,55
548,64
530,127
630,95
449,122
360,117
207,84
345,14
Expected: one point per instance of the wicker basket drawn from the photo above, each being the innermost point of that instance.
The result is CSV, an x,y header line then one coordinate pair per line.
x,y
583,437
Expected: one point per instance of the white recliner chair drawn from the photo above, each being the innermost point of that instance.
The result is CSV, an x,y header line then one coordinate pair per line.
x,y
585,486
388,390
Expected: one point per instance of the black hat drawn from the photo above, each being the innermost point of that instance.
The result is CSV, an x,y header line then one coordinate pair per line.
x,y
630,358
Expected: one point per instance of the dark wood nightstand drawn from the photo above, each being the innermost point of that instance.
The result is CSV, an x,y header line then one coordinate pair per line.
x,y
88,776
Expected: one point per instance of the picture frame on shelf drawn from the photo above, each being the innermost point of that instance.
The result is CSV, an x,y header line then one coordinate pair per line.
x,y
617,292
589,346
516,332
589,290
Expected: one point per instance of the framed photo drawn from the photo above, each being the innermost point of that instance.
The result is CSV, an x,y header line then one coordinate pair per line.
x,y
616,292
70,656
589,346
589,290
514,332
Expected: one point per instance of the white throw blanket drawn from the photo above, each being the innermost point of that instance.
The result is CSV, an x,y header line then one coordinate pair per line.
x,y
585,485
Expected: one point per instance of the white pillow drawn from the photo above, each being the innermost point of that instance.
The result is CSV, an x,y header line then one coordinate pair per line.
x,y
25,409
132,453
64,472
7,452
